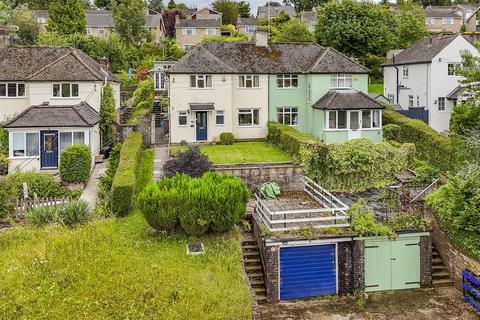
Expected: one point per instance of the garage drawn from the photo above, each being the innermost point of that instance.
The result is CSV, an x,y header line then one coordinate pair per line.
x,y
392,264
307,271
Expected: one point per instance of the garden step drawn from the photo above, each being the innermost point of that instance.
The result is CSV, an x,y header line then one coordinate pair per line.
x,y
440,274
251,260
250,247
259,291
253,268
257,282
437,261
261,298
249,241
442,282
439,267
251,253
253,275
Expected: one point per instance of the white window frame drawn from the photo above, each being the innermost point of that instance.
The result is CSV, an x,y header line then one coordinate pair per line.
x,y
252,112
327,120
250,29
210,31
189,31
288,111
17,84
337,78
405,72
286,81
410,100
451,66
201,77
103,31
444,104
244,78
219,113
71,142
182,114
71,84
372,117
448,21
159,79
24,133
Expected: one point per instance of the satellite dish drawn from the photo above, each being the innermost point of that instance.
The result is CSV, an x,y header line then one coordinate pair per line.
x,y
13,28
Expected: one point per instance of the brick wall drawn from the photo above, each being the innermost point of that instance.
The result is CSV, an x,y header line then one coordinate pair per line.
x,y
454,260
425,261
288,175
345,265
358,265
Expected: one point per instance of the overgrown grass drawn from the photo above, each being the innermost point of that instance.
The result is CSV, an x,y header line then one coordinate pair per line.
x,y
375,88
241,152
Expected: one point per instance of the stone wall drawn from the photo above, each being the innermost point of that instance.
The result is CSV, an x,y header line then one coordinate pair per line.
x,y
425,261
345,267
288,175
454,260
358,267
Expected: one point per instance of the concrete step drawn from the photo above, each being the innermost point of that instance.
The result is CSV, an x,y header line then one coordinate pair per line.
x,y
261,298
252,261
254,275
249,242
257,282
442,282
437,261
257,267
440,274
251,253
250,247
259,291
439,267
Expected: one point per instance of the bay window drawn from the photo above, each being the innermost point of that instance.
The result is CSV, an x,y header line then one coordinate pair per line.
x,y
337,119
25,144
371,119
69,138
341,80
248,117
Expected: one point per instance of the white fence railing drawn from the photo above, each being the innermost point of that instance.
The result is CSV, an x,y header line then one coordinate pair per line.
x,y
332,213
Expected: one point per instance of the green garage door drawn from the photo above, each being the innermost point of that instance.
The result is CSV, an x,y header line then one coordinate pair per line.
x,y
392,264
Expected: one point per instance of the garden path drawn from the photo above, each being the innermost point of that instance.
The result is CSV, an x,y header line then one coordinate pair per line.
x,y
89,195
161,156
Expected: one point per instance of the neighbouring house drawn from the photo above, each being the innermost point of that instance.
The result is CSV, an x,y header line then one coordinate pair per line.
x,y
100,22
247,26
198,25
159,75
267,12
238,86
310,18
423,76
50,98
451,18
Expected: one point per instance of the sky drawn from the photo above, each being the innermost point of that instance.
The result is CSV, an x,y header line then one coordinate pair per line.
x,y
206,3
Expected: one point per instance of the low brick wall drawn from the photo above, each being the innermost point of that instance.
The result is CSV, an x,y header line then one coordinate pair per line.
x,y
454,260
288,175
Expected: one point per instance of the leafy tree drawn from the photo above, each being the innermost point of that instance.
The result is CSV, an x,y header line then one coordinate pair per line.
x,y
229,9
129,19
155,5
181,6
172,49
102,4
169,21
410,24
355,28
171,5
107,113
294,31
5,13
273,3
304,5
244,9
67,17
27,24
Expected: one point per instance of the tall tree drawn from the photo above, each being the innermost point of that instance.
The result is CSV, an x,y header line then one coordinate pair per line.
x,y
355,28
410,23
107,113
155,5
67,17
171,5
5,13
244,9
304,5
229,10
129,19
294,31
169,21
27,25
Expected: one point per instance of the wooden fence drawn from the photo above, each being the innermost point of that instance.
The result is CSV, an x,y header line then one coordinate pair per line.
x,y
25,205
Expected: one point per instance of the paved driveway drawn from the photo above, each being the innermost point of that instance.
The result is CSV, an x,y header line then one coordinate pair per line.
x,y
422,304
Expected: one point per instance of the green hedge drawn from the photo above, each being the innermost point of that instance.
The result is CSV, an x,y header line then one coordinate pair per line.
x,y
124,181
75,163
431,146
352,166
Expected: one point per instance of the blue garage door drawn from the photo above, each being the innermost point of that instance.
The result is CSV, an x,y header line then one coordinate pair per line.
x,y
307,271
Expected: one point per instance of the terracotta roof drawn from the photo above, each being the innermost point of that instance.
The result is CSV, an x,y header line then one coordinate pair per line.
x,y
346,99
246,57
45,115
199,23
49,64
423,50
247,22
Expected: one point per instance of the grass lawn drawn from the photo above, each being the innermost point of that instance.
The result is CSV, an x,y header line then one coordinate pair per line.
x,y
375,88
118,269
241,152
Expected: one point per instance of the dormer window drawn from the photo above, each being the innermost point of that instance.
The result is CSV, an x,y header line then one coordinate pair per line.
x,y
341,80
65,90
12,89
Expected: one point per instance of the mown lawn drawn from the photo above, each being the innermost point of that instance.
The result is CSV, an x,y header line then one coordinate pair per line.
x,y
119,269
241,152
375,88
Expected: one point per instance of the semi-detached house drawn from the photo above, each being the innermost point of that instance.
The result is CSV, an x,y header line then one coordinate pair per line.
x,y
239,86
50,99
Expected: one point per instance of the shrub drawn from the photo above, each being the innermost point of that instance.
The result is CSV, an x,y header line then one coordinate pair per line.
x,y
42,215
74,212
3,164
144,95
7,198
363,223
431,146
39,183
227,138
213,202
75,164
124,181
391,131
425,173
191,162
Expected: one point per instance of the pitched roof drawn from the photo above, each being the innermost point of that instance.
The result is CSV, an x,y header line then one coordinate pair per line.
x,y
45,115
423,50
346,99
275,11
247,22
441,12
210,11
246,57
49,64
199,23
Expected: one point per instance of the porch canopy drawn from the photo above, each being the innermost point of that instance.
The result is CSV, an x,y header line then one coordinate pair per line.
x,y
347,99
456,93
209,106
49,116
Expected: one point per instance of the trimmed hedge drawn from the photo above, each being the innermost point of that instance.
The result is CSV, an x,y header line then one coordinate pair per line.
x,y
227,138
124,181
75,163
213,202
431,146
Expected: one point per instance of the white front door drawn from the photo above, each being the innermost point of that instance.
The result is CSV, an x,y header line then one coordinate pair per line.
x,y
354,130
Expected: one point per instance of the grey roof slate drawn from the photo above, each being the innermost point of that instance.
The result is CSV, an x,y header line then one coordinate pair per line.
x,y
49,64
246,57
275,11
247,22
346,99
422,51
441,12
199,23
80,115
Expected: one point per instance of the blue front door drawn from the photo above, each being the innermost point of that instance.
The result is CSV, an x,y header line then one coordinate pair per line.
x,y
201,125
49,149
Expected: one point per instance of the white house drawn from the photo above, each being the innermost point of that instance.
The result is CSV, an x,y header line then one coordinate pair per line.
x,y
159,74
49,99
424,76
